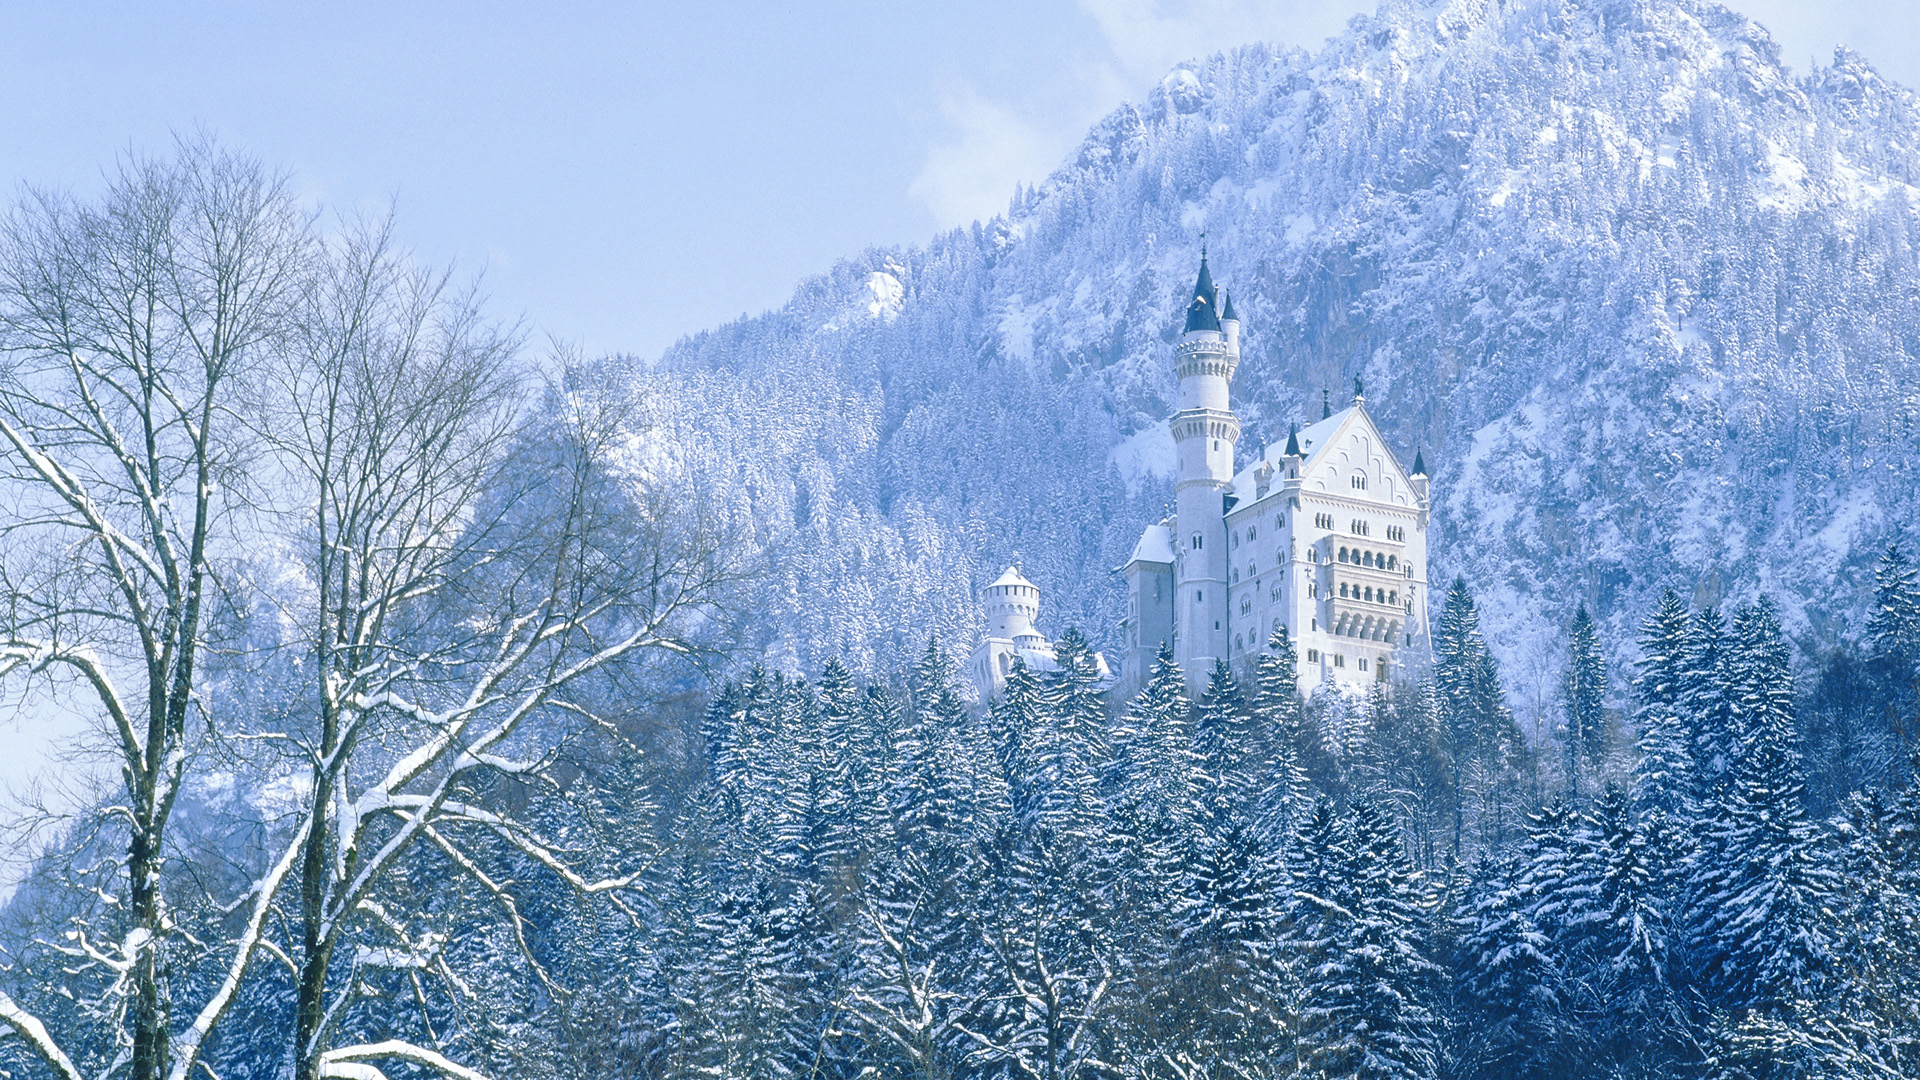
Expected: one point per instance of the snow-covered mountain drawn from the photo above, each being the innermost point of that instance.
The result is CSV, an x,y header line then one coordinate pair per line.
x,y
1646,300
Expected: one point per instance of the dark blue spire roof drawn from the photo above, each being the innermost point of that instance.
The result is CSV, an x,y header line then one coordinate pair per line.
x,y
1226,308
1419,464
1200,313
1293,442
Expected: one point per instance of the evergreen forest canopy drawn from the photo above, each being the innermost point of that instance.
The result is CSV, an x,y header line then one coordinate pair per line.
x,y
456,722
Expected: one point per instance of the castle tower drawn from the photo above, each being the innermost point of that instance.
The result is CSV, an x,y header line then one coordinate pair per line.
x,y
1204,433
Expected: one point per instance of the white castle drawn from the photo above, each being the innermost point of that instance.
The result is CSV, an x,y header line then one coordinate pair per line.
x,y
1326,535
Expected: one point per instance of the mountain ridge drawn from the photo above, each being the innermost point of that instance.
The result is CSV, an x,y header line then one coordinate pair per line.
x,y
1634,288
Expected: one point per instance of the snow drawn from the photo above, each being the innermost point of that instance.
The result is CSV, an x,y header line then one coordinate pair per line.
x,y
1146,454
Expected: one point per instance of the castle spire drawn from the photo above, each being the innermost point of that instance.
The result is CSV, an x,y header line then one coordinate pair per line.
x,y
1293,442
1326,403
1201,314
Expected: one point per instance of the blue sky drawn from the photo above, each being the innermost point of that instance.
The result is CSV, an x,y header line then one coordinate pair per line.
x,y
628,173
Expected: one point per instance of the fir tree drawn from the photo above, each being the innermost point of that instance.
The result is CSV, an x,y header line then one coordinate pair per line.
x,y
1663,775
1357,931
1281,800
1483,739
1893,635
1519,1025
1768,892
1584,691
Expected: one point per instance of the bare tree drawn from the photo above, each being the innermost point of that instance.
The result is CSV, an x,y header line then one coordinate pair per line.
x,y
465,569
127,321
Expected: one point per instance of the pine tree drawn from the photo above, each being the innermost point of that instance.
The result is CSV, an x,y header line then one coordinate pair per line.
x,y
1223,736
1893,635
1483,740
1519,1025
1280,803
1357,932
1663,775
1705,708
1768,893
1584,690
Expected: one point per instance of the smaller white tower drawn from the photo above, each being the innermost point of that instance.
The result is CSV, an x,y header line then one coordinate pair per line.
x,y
1011,604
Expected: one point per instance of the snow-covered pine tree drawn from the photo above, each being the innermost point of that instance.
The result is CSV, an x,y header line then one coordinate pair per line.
x,y
1483,740
1357,932
1705,708
1517,1023
1584,692
1281,802
1663,775
1893,635
1223,735
1768,896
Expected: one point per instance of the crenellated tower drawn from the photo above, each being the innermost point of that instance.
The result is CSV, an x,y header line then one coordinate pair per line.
x,y
1205,431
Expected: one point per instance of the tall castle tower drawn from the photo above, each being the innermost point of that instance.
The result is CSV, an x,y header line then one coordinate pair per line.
x,y
1204,434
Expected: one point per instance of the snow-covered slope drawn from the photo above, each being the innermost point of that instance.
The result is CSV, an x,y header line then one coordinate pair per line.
x,y
1646,300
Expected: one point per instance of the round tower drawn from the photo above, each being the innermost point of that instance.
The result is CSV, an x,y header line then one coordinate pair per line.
x,y
1204,433
1012,605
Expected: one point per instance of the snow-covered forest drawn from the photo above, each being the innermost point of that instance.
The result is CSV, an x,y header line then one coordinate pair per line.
x,y
471,710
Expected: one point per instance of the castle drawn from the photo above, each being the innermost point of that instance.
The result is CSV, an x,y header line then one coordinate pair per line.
x,y
1325,535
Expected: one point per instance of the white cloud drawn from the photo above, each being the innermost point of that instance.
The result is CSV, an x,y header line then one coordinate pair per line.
x,y
993,143
991,147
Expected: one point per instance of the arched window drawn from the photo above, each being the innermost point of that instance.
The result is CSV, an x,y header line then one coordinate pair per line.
x,y
1391,560
1237,643
1250,570
1343,590
1369,594
1368,558
1196,541
1252,531
1343,554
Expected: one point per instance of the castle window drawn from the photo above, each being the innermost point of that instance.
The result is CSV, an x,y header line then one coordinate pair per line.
x,y
1322,521
1313,555
1313,656
1235,542
1246,607
1250,570
1236,577
1252,531
1367,558
1199,597
1357,527
1391,561
1369,594
1343,554
1361,663
1339,660
1196,541
1381,671
1343,590
1360,482
1238,644
1313,624
1393,598
1409,569
1313,591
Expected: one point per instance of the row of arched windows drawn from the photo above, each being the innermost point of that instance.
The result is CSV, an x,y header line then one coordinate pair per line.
x,y
1367,558
1368,593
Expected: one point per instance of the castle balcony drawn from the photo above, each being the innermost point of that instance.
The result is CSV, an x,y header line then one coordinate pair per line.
x,y
1365,622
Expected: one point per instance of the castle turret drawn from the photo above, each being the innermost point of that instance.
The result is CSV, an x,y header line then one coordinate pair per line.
x,y
1011,604
1204,433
